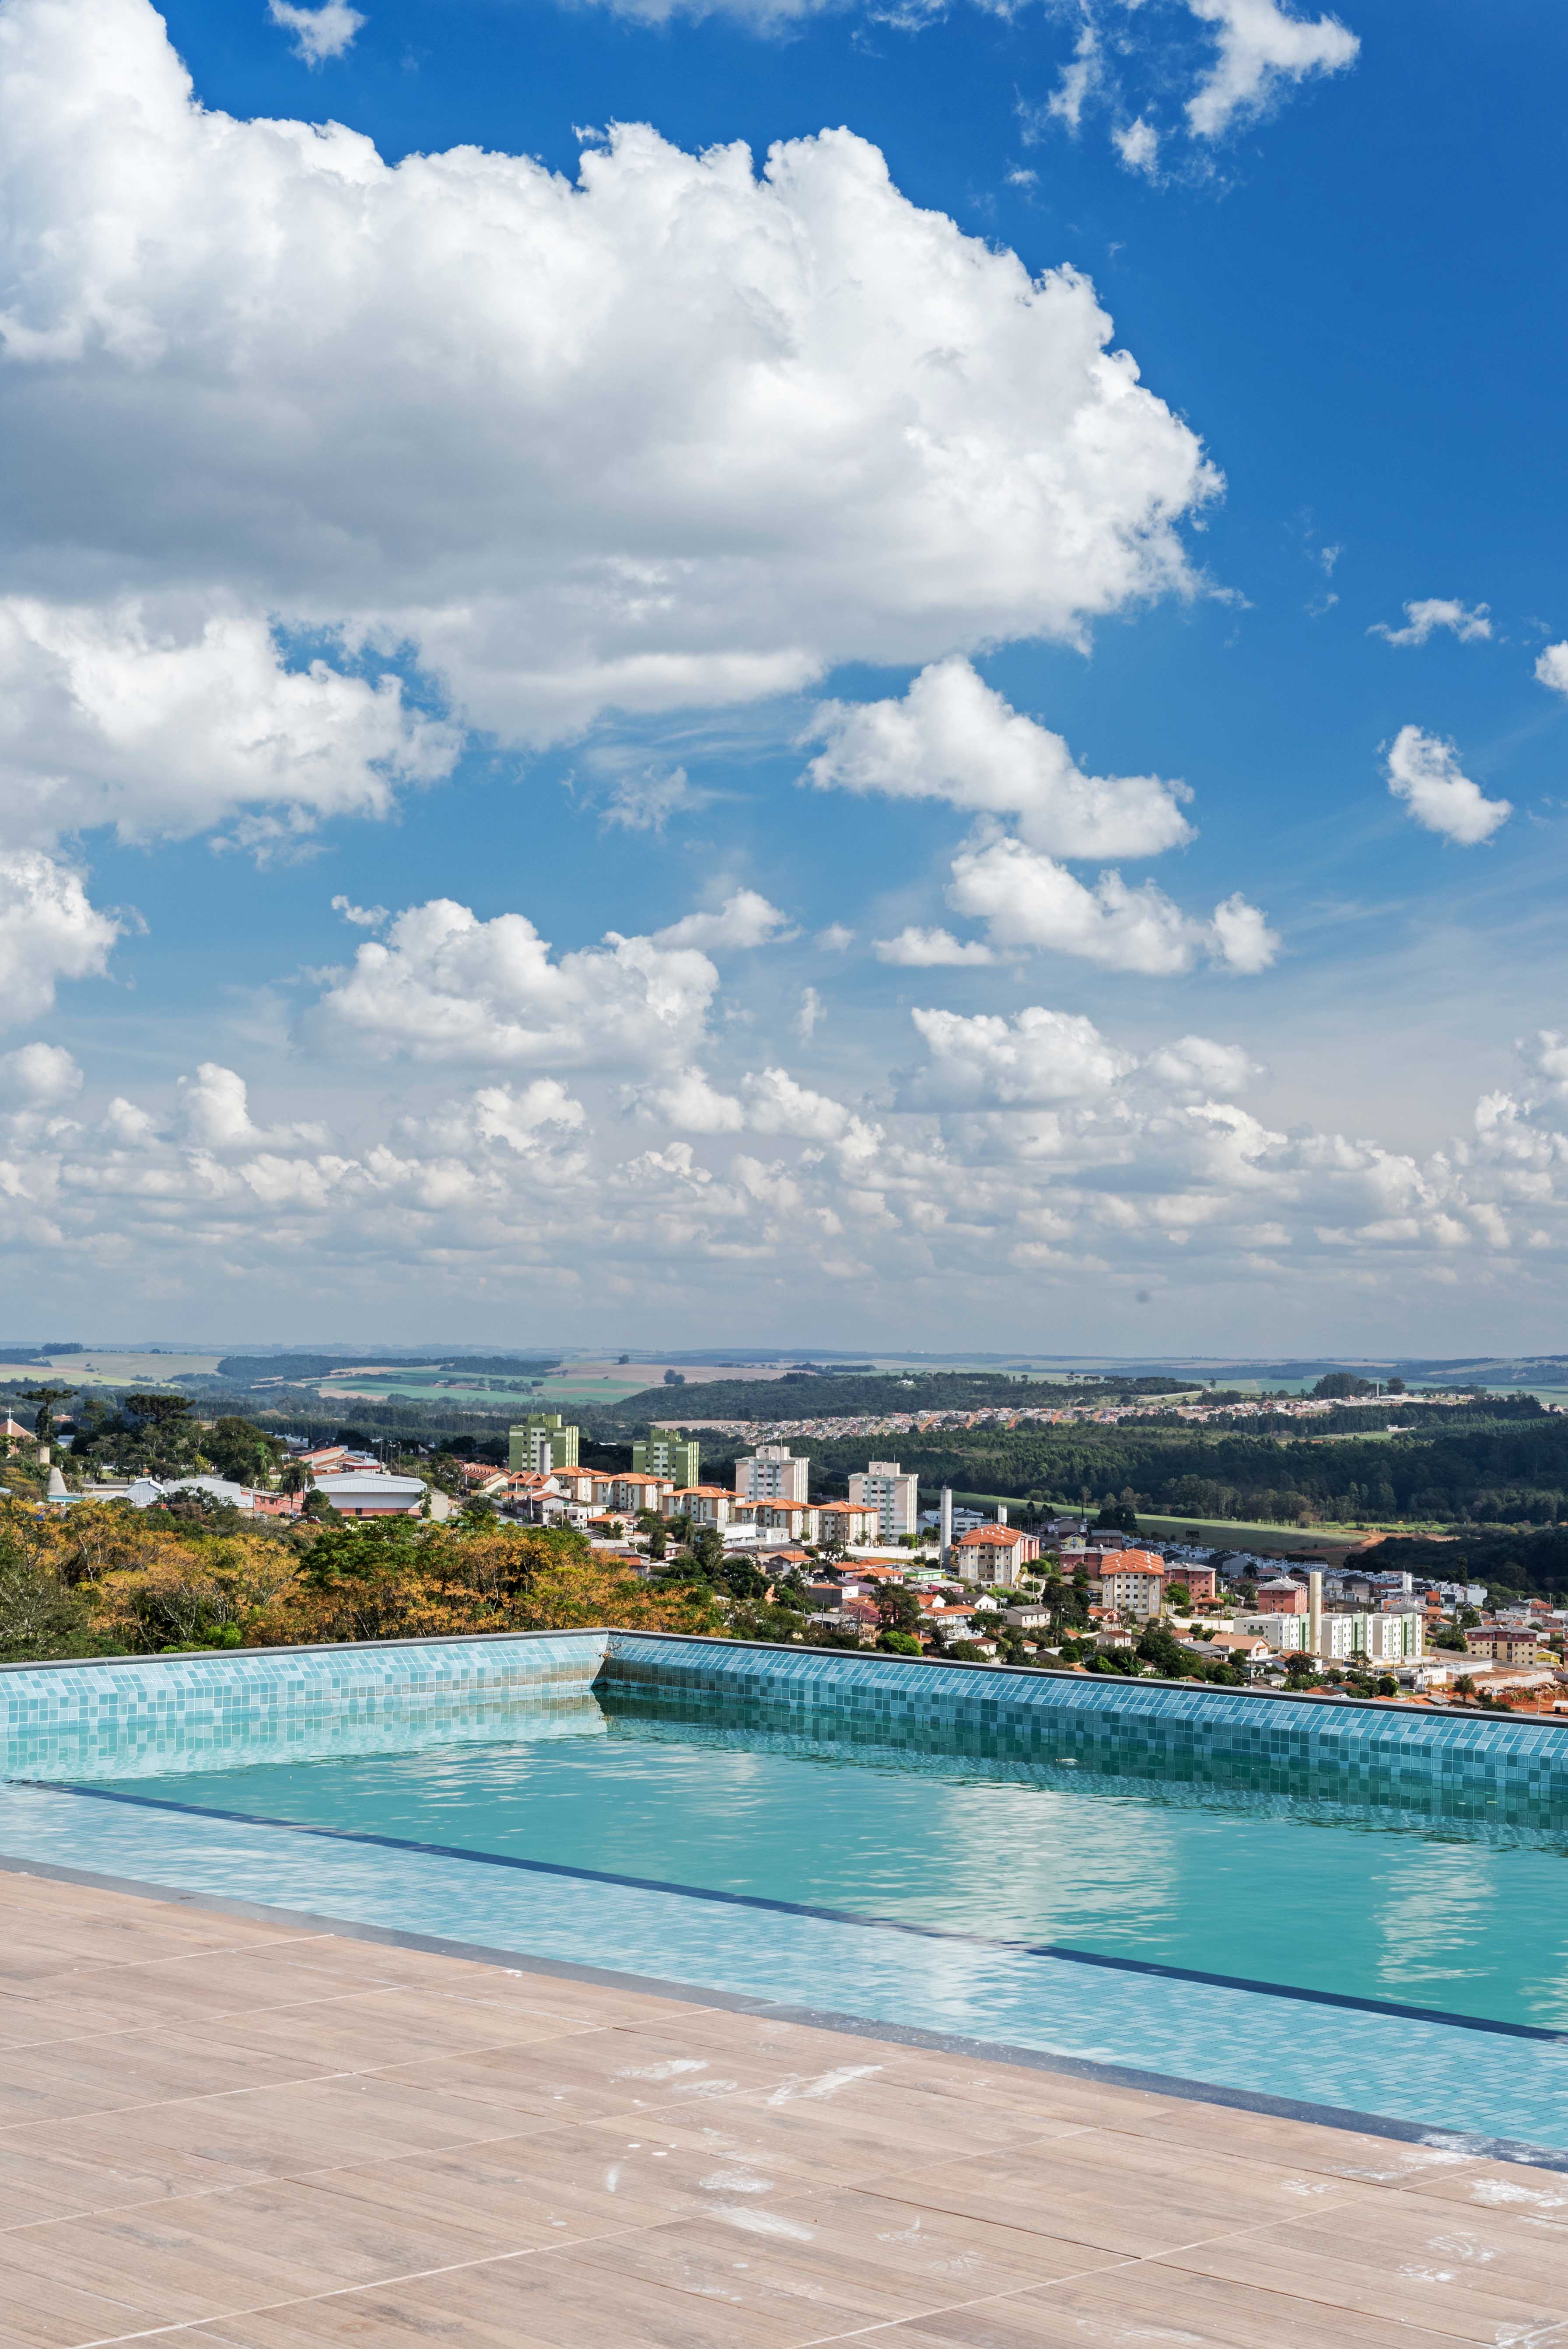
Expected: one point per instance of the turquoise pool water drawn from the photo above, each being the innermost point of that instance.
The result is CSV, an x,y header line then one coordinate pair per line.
x,y
1367,1905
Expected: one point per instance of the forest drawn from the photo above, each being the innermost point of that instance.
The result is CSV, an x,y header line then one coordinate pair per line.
x,y
1500,1462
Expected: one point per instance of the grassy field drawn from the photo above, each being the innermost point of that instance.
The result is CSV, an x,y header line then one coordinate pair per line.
x,y
108,1369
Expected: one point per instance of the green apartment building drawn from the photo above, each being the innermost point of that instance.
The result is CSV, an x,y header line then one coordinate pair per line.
x,y
665,1454
541,1443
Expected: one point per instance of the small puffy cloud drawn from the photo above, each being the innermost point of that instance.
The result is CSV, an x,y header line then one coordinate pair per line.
x,y
1423,619
1138,144
810,1015
688,1101
954,737
446,986
1424,772
1243,940
645,798
836,938
918,949
1033,1061
1030,900
318,33
1552,669
1195,1068
745,919
38,1076
363,917
48,931
1261,47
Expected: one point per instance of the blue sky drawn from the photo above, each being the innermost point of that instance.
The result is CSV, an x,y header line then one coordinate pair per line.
x,y
450,535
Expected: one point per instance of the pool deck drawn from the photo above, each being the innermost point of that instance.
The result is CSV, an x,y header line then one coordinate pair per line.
x,y
243,2133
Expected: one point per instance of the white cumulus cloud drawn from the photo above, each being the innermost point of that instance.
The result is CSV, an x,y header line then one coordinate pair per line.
x,y
1261,48
1424,618
1425,772
446,986
924,949
164,724
679,432
48,931
954,737
745,919
1038,1057
1027,900
1138,144
319,33
1552,669
38,1076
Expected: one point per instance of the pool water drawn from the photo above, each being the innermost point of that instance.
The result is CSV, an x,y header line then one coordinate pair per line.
x,y
1362,1904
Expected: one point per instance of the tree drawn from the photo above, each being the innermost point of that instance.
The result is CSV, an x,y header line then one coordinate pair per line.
x,y
158,1411
298,1476
898,1610
675,1378
239,1450
899,1643
46,1397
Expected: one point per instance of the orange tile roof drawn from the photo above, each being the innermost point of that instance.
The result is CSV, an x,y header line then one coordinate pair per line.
x,y
1007,1534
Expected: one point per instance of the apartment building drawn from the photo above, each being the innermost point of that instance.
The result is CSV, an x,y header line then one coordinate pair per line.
x,y
1132,1581
665,1451
993,1554
771,1474
541,1443
884,1486
1346,1637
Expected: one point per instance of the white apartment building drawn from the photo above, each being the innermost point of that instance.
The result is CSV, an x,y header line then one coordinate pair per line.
x,y
895,1497
770,1473
1376,1639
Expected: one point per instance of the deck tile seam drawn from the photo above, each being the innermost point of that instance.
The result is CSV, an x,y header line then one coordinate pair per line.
x,y
1111,2259
1110,2265
376,2283
383,2072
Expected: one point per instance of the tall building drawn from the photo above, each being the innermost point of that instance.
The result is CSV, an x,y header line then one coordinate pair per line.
x,y
895,1497
541,1443
769,1473
665,1454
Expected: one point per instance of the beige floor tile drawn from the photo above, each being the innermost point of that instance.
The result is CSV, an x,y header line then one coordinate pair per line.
x,y
362,2029
1537,2194
122,2073
597,2073
1477,2275
1137,2306
852,2258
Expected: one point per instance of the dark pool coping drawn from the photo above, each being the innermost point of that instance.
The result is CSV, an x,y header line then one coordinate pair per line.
x,y
1075,2067
607,1631
1063,1951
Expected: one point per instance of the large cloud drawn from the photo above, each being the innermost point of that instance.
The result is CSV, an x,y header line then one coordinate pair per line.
x,y
674,434
1031,1155
954,737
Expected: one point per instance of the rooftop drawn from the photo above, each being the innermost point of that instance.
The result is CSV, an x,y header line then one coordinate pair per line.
x,y
249,2133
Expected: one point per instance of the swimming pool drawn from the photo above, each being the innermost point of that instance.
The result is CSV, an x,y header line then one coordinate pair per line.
x,y
1338,1907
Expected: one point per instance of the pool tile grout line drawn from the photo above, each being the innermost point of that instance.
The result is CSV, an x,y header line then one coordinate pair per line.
x,y
314,1926
1062,1952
